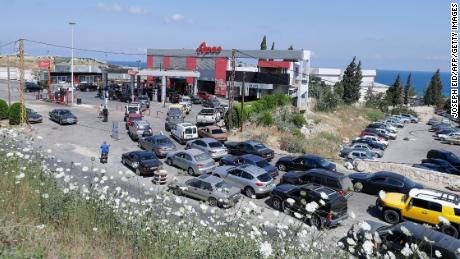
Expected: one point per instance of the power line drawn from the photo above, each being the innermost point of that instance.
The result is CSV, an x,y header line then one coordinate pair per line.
x,y
9,43
87,50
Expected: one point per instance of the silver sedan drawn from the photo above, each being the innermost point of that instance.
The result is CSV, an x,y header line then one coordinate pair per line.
x,y
209,145
194,161
252,180
208,188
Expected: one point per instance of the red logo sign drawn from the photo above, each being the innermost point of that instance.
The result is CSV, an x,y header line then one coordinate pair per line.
x,y
132,72
43,63
204,49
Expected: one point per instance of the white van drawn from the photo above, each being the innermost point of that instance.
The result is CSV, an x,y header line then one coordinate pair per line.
x,y
184,132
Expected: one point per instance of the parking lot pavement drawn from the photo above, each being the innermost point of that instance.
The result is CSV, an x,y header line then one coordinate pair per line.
x,y
80,143
420,141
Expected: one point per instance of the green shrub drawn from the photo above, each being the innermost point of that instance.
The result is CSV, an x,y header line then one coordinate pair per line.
x,y
14,113
373,114
293,143
3,109
265,118
298,119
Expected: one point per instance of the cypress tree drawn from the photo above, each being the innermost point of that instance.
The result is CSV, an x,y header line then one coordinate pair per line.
x,y
351,82
433,93
407,88
263,44
273,46
291,47
398,92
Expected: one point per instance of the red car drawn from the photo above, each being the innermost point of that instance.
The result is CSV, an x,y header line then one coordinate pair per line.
x,y
133,117
205,95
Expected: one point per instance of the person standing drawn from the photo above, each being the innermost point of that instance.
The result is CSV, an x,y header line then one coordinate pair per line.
x,y
105,113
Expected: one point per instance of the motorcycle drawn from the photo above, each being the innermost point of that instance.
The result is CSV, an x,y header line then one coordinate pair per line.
x,y
104,158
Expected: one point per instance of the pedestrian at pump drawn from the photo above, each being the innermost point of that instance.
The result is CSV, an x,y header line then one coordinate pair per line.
x,y
105,113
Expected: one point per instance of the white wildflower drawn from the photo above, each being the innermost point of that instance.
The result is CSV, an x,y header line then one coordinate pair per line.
x,y
48,151
406,251
351,242
9,154
352,215
311,206
437,253
39,137
389,255
45,196
204,207
298,215
406,231
95,229
66,190
60,175
324,196
290,201
368,247
266,249
20,176
42,226
365,226
85,169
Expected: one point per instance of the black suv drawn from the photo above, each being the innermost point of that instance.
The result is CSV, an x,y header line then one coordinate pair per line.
x,y
337,181
448,156
304,162
321,206
394,238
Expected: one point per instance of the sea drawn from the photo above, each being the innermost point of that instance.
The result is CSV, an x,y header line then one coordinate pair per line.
x,y
420,79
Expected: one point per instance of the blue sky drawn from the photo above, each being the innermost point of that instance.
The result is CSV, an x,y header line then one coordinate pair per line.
x,y
405,35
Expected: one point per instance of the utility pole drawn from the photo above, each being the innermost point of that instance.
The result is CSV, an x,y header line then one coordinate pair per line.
x,y
71,68
21,81
8,77
243,92
232,89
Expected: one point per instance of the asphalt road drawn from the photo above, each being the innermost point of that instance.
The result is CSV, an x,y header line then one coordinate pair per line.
x,y
80,144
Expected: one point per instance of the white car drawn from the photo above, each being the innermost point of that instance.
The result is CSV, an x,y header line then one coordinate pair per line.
x,y
444,137
184,132
374,138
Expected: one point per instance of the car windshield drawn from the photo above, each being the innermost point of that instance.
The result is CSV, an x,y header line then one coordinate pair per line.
x,y
164,141
147,156
202,157
174,117
132,109
262,163
207,111
223,185
259,146
217,131
65,112
324,163
264,177
409,182
215,144
452,156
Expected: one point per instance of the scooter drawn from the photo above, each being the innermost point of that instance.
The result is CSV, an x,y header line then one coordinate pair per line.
x,y
104,157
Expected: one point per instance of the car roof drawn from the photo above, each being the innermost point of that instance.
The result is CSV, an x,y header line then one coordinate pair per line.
x,y
139,152
193,151
210,179
390,174
325,172
253,142
159,136
212,127
313,157
254,170
252,157
440,239
208,140
440,197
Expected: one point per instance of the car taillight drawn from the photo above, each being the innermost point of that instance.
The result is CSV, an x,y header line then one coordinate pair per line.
x,y
199,165
342,193
329,217
260,184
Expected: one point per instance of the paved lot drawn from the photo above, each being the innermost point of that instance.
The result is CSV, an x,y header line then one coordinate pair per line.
x,y
79,143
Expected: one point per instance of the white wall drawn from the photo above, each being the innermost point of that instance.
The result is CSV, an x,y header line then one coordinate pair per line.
x,y
14,74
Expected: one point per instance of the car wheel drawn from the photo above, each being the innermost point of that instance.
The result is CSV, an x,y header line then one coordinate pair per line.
x,y
391,216
278,204
177,191
281,167
138,172
449,230
169,161
190,171
316,222
358,187
249,192
212,202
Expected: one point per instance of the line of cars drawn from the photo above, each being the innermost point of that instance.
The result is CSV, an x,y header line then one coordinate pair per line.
x,y
441,161
445,131
373,140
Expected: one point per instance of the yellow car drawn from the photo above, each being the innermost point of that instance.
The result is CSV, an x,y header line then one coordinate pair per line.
x,y
422,205
180,107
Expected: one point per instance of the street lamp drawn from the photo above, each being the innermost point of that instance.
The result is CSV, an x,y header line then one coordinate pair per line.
x,y
71,64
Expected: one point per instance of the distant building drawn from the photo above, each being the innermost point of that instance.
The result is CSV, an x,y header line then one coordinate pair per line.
x,y
330,76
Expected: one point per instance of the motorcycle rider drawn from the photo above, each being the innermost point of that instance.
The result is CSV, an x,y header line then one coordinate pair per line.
x,y
104,151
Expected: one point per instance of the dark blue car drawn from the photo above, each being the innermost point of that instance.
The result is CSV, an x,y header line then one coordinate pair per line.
x,y
250,159
371,143
304,162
